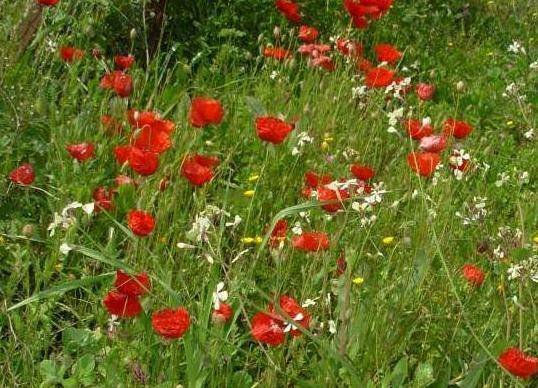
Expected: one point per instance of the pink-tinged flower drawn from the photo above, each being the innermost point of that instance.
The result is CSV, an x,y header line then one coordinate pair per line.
x,y
103,199
518,363
474,275
81,151
433,143
323,62
308,34
425,91
314,50
349,48
23,175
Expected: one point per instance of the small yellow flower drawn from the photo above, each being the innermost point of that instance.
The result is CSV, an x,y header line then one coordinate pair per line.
x,y
450,44
510,123
324,145
258,240
162,239
388,240
247,240
535,239
253,178
249,193
358,280
58,267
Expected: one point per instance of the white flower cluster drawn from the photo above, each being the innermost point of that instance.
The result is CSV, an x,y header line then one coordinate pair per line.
x,y
205,221
476,211
302,140
516,48
526,269
458,158
66,217
394,118
398,89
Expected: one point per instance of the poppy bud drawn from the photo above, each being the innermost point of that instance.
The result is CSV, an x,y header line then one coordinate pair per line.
x,y
460,86
28,230
132,34
276,32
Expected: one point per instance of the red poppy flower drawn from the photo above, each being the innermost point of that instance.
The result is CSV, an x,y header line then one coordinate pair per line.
x,y
71,54
295,312
364,65
81,151
308,34
198,169
123,85
459,129
387,53
473,274
323,62
314,50
139,119
143,162
360,22
48,2
312,181
364,173
122,153
223,313
276,53
102,198
23,175
423,163
107,81
122,305
267,329
140,222
152,139
417,130
433,143
111,125
425,91
311,241
326,194
205,111
171,323
379,77
278,234
132,285
123,62
518,363
349,48
272,129
341,265
289,9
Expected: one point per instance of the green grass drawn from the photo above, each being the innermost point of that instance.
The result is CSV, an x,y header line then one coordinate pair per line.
x,y
412,322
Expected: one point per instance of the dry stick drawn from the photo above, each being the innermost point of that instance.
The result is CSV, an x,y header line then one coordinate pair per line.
x,y
344,316
28,28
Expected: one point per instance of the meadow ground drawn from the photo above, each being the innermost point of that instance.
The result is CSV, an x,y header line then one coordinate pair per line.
x,y
426,280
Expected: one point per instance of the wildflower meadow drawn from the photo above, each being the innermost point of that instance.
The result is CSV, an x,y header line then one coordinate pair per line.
x,y
268,193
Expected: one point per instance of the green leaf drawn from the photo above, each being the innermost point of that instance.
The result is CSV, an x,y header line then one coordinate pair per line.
x,y
423,375
475,371
61,289
255,106
399,373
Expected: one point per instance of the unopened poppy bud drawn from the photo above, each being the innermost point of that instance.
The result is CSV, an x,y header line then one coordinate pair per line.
x,y
132,34
28,230
432,73
276,32
460,86
260,38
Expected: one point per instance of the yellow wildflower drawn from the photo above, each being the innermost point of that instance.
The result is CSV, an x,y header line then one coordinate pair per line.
x,y
388,240
358,280
249,193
